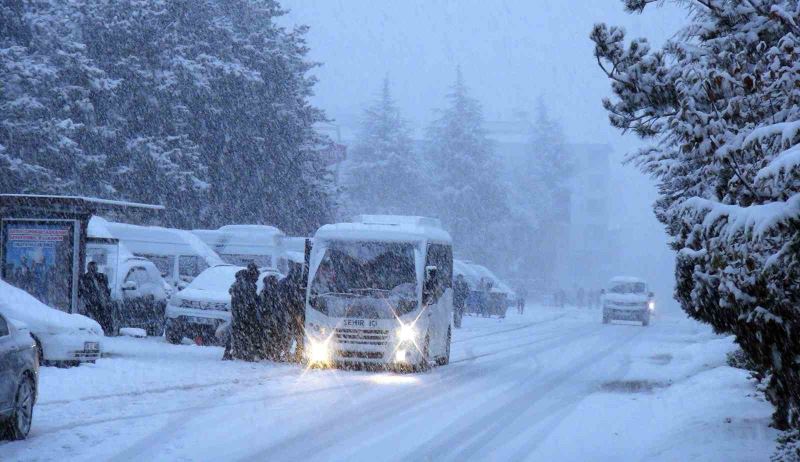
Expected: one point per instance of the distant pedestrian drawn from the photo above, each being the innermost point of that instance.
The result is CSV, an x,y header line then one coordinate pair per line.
x,y
274,320
521,294
245,329
460,294
96,297
292,298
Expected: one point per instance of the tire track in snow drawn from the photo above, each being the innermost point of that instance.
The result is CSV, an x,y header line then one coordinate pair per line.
x,y
476,433
310,442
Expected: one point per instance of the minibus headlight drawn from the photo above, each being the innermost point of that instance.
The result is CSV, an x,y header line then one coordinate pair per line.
x,y
319,352
406,333
651,305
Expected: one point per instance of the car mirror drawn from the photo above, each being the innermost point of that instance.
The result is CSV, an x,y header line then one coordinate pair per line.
x,y
129,285
651,294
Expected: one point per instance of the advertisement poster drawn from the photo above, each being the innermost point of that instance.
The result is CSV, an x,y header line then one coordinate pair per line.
x,y
38,258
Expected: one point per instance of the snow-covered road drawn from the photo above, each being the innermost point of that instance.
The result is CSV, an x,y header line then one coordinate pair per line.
x,y
549,385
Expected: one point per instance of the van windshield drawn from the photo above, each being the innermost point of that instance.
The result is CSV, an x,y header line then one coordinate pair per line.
x,y
357,268
627,288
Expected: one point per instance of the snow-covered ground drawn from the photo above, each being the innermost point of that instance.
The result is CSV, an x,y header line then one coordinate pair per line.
x,y
550,385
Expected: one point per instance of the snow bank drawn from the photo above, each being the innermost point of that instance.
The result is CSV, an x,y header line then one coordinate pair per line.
x,y
19,305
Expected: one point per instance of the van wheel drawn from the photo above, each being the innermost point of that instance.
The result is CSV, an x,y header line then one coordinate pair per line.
x,y
646,320
445,360
172,334
19,424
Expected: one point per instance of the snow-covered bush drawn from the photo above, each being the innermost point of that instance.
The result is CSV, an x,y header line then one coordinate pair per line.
x,y
720,104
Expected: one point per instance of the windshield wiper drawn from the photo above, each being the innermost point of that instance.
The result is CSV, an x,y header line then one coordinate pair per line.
x,y
370,290
346,294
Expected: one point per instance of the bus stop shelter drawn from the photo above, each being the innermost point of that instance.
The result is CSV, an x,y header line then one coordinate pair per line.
x,y
43,242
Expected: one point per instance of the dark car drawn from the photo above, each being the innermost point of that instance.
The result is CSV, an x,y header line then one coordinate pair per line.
x,y
19,380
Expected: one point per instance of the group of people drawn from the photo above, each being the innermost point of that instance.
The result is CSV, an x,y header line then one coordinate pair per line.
x,y
579,297
268,324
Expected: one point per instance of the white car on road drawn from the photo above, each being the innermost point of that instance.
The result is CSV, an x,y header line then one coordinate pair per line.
x,y
205,304
61,338
628,299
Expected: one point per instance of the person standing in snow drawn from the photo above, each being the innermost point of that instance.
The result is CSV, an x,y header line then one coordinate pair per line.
x,y
460,294
244,330
292,298
96,296
273,320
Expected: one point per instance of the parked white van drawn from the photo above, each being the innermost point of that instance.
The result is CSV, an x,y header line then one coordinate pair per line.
x,y
178,254
242,244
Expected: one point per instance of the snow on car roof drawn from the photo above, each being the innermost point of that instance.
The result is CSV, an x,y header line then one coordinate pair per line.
x,y
386,228
162,241
17,304
625,279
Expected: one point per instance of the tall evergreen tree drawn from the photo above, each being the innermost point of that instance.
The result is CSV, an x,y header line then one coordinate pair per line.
x,y
542,200
382,174
199,105
722,107
470,201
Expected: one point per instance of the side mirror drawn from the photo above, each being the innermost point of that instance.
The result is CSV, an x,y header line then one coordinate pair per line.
x,y
651,294
129,285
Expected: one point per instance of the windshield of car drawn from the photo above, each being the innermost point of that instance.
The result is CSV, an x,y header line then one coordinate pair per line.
x,y
628,288
360,268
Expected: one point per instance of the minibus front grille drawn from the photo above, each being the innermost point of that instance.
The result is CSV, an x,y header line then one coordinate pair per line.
x,y
360,354
362,336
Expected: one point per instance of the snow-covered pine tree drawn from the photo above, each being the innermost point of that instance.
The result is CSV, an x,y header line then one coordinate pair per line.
x,y
721,103
470,200
47,115
546,185
199,105
382,173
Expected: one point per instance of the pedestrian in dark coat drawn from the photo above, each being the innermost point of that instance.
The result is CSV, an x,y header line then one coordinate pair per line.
x,y
273,320
292,297
460,294
245,330
96,296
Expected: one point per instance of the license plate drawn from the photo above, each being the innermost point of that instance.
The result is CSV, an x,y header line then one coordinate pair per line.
x,y
206,321
359,323
91,346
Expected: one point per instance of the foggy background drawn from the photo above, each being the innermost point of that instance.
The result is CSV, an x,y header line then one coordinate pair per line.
x,y
511,53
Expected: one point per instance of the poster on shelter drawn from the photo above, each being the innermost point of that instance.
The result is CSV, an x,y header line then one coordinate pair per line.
x,y
38,258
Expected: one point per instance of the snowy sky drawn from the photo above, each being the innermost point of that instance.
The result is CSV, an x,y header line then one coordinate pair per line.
x,y
511,52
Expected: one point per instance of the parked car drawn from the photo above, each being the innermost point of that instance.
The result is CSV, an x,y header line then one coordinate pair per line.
x,y
201,308
629,299
61,338
19,379
141,296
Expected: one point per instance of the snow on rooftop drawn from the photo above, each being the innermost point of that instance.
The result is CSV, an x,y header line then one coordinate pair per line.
x,y
625,279
250,229
386,228
93,200
399,220
162,241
